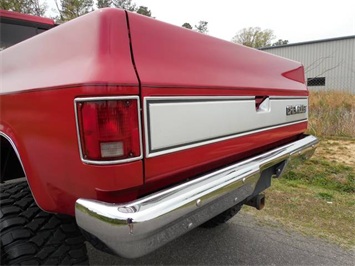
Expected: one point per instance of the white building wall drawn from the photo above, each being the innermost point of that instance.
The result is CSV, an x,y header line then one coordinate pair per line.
x,y
333,59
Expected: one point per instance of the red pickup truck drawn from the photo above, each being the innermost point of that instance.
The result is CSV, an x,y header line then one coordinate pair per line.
x,y
131,132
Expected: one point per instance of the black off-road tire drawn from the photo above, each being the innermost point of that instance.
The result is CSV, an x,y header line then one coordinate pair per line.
x,y
222,217
33,237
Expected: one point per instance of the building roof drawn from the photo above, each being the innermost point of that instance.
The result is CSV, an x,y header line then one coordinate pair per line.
x,y
309,42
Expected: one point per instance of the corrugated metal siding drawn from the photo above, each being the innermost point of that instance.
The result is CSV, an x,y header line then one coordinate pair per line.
x,y
332,59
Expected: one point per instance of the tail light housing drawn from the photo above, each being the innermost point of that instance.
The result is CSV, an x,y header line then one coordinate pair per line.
x,y
109,129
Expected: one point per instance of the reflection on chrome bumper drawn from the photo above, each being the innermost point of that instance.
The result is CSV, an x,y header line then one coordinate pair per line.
x,y
136,228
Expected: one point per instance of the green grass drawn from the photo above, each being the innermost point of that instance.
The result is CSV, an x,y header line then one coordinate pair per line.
x,y
324,174
317,198
325,196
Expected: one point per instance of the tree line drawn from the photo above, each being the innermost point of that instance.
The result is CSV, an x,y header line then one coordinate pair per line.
x,y
70,9
256,37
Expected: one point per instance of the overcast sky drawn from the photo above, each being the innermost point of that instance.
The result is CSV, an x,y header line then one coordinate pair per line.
x,y
295,20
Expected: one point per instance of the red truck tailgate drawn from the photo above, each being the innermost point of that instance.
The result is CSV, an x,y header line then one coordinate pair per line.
x,y
208,102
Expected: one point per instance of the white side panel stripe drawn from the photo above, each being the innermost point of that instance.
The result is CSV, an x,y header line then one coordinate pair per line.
x,y
179,123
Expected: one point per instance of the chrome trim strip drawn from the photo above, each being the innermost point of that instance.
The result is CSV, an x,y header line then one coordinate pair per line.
x,y
136,228
166,129
288,97
108,98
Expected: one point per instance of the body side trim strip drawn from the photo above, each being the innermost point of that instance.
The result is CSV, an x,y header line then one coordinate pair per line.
x,y
157,126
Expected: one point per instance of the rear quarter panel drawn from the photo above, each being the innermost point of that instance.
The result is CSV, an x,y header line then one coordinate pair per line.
x,y
40,79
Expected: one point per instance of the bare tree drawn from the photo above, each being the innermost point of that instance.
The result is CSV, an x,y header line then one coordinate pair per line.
x,y
202,27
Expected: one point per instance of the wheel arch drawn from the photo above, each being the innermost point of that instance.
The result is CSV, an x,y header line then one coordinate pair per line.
x,y
9,145
11,163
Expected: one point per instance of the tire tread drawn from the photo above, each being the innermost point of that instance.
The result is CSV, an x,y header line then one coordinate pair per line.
x,y
30,236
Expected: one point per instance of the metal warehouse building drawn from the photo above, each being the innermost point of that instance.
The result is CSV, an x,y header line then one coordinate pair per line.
x,y
329,64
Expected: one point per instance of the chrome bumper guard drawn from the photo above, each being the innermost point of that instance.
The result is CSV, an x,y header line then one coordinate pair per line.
x,y
136,228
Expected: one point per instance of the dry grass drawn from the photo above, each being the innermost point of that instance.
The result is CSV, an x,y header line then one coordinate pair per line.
x,y
341,151
318,197
311,210
332,113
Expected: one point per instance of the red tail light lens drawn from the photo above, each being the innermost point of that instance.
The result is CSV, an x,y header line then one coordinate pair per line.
x,y
109,129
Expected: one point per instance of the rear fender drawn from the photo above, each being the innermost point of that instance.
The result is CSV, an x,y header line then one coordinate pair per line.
x,y
8,135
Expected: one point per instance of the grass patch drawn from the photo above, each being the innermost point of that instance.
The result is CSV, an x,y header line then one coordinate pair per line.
x,y
325,196
324,174
317,198
310,210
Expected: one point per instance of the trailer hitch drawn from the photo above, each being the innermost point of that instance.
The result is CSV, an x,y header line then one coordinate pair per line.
x,y
257,202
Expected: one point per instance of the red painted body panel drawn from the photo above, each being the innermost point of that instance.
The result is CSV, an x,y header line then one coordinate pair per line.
x,y
43,127
190,64
178,166
184,164
182,57
91,56
93,49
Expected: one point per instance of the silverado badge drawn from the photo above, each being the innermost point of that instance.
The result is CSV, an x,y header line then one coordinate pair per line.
x,y
296,109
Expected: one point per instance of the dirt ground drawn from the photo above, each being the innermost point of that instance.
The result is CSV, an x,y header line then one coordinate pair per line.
x,y
342,151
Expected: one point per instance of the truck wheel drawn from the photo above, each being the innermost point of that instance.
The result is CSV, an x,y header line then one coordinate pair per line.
x,y
34,237
222,217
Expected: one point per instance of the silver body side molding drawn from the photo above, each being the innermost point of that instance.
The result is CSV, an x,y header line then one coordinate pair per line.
x,y
136,228
179,123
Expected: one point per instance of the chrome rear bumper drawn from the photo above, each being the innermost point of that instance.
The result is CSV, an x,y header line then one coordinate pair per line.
x,y
136,228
